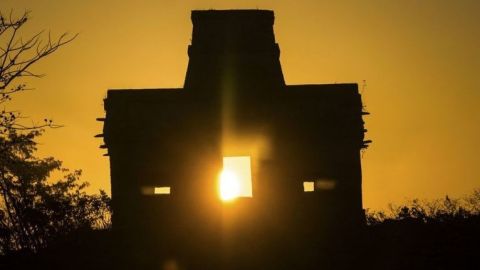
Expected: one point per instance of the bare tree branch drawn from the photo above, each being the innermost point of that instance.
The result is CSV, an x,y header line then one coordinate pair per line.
x,y
17,56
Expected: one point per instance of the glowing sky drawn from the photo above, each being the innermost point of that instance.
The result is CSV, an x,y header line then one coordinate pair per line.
x,y
420,60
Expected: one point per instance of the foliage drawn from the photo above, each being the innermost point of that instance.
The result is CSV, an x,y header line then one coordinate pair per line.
x,y
33,209
436,211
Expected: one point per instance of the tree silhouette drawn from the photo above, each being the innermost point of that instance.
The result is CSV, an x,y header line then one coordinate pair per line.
x,y
33,209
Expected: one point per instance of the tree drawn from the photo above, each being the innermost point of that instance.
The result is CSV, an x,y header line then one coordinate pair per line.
x,y
34,210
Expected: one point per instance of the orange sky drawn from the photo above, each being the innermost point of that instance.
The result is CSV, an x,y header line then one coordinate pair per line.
x,y
420,59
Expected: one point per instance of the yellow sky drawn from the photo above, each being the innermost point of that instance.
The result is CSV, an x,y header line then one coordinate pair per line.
x,y
420,59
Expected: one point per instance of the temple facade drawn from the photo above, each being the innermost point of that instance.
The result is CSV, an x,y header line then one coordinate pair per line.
x,y
167,147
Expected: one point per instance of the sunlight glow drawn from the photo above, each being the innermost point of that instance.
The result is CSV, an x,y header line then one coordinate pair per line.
x,y
161,190
235,179
229,186
308,186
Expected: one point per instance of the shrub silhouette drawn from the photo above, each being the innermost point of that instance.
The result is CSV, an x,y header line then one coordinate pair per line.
x,y
435,211
437,234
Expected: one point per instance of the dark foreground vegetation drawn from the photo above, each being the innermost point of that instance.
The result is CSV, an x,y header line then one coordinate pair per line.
x,y
42,204
441,234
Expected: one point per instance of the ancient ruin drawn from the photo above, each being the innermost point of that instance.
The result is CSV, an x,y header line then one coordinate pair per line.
x,y
167,147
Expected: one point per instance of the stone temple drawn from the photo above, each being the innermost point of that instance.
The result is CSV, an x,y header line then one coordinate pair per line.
x,y
167,147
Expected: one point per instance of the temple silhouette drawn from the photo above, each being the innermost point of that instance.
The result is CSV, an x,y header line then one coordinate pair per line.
x,y
167,147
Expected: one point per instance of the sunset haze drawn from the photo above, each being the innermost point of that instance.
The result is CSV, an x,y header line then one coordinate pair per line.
x,y
417,65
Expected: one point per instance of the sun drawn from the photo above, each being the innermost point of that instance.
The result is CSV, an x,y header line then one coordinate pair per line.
x,y
229,185
235,180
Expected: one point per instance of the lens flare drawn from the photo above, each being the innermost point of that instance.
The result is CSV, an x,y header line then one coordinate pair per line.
x,y
229,185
